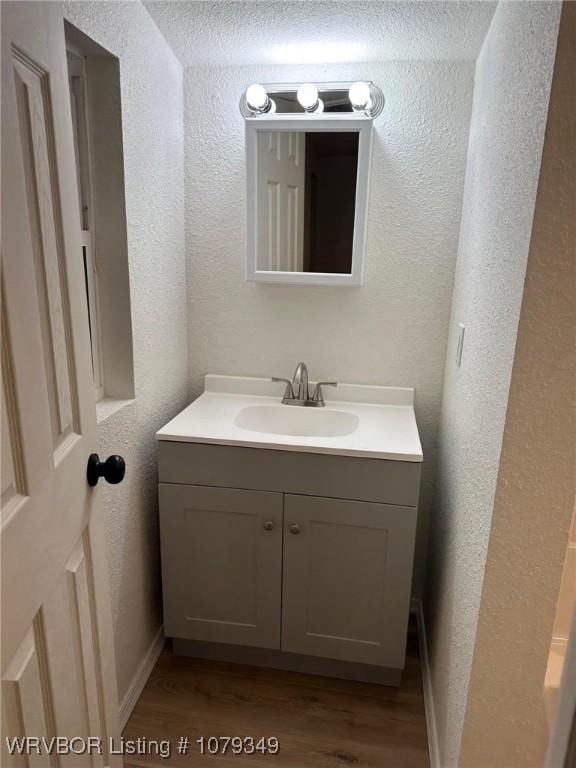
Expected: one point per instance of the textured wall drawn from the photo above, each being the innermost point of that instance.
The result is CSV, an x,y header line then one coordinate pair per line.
x,y
152,121
393,329
536,480
512,86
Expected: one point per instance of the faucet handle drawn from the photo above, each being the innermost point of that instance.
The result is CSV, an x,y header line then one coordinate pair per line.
x,y
289,391
318,397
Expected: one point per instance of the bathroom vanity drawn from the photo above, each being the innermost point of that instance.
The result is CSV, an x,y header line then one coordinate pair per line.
x,y
288,533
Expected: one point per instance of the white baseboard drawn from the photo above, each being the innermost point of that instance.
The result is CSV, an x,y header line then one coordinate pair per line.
x,y
433,746
141,677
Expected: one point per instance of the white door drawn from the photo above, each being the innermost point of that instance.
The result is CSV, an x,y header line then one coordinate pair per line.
x,y
57,660
281,200
346,579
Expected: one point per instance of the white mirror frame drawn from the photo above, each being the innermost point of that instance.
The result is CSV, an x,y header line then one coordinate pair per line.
x,y
358,123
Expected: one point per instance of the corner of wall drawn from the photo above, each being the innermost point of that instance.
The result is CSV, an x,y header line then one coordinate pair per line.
x,y
511,91
151,82
526,550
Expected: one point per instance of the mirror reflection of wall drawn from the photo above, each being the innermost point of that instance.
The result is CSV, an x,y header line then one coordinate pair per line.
x,y
306,200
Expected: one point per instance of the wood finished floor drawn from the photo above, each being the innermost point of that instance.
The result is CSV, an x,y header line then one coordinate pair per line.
x,y
320,722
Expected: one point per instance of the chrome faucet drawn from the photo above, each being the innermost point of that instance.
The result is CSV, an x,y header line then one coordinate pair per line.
x,y
300,382
297,391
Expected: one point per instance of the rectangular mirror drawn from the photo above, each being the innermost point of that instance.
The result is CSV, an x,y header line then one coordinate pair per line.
x,y
307,199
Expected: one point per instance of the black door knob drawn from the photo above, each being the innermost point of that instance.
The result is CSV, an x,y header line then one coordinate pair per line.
x,y
112,470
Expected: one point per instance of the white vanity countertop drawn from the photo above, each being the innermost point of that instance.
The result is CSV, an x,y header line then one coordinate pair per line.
x,y
383,419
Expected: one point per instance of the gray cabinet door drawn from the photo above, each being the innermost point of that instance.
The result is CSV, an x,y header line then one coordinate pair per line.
x,y
221,564
347,578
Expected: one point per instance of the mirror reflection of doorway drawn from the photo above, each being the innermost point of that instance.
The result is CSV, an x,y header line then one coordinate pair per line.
x,y
329,201
306,200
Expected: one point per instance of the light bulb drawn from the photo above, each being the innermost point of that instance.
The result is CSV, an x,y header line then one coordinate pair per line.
x,y
257,98
308,97
359,95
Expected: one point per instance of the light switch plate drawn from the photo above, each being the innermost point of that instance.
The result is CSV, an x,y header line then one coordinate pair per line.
x,y
460,345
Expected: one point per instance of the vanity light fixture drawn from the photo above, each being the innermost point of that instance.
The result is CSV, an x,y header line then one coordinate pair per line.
x,y
360,97
307,96
362,100
258,101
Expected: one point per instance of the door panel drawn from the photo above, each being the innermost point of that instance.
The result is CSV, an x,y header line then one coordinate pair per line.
x,y
221,565
23,695
347,578
12,468
281,200
55,683
57,668
39,164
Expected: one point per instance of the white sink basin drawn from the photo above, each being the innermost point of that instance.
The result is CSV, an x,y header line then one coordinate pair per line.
x,y
296,421
358,420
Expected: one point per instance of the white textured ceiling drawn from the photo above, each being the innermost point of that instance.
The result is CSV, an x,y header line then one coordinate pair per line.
x,y
237,32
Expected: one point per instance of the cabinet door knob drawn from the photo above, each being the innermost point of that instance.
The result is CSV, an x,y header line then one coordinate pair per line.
x,y
268,525
294,528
